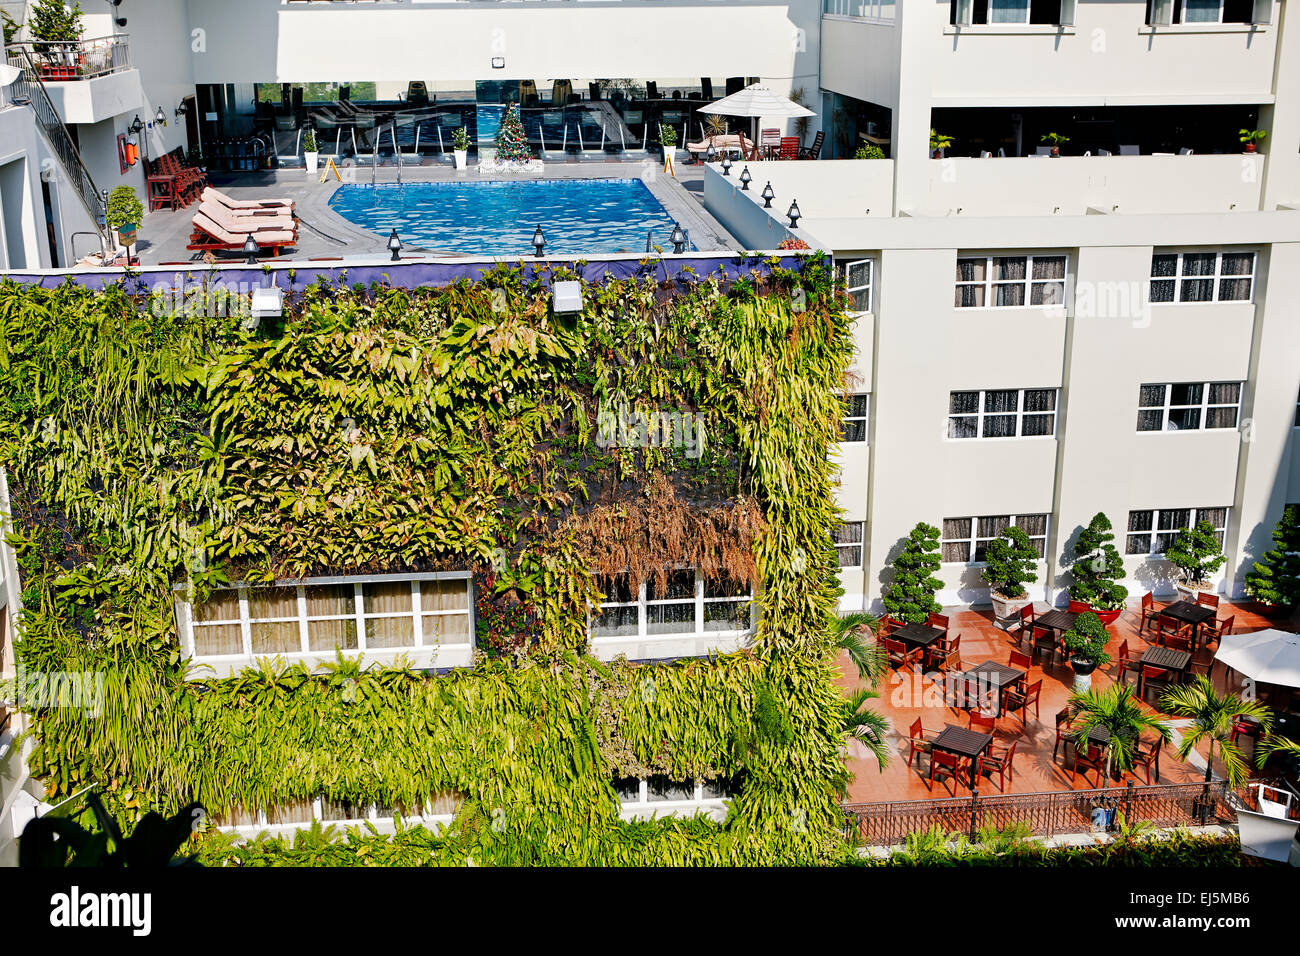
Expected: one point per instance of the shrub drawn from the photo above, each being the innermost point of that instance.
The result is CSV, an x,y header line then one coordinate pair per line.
x,y
869,151
123,207
910,596
1098,567
1196,553
460,138
309,141
1087,639
1010,563
1275,578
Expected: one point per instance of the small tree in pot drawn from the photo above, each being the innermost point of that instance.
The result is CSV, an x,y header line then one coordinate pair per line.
x,y
1196,553
1275,578
1011,562
1085,644
910,596
1098,569
1124,718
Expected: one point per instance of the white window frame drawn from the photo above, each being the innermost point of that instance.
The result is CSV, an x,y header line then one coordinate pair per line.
x,y
370,814
864,418
1178,278
358,583
975,539
990,285
877,11
980,414
870,287
1156,530
642,805
860,545
1205,406
643,605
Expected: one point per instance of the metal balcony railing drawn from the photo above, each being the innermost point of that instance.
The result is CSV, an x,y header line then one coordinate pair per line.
x,y
58,60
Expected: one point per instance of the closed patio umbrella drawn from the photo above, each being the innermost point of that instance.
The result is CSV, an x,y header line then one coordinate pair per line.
x,y
755,101
1269,656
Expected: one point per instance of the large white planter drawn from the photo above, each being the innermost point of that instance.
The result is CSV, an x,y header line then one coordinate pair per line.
x,y
310,161
461,157
1188,591
1006,611
1267,833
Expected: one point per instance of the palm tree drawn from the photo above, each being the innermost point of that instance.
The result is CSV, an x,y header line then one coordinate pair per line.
x,y
1119,712
1213,717
867,657
1272,744
866,726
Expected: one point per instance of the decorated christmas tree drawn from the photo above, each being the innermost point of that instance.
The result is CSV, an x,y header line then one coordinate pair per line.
x,y
512,144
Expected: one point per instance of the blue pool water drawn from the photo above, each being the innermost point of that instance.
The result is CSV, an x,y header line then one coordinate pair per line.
x,y
577,216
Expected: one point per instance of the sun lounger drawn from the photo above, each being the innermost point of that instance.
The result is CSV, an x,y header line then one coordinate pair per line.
x,y
245,224
247,206
209,236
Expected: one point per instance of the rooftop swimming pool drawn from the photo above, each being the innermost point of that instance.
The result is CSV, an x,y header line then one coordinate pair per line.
x,y
577,216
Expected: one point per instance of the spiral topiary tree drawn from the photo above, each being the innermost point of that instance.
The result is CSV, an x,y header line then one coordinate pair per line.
x,y
1275,578
910,596
1196,552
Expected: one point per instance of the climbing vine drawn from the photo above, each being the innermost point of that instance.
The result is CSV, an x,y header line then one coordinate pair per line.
x,y
152,448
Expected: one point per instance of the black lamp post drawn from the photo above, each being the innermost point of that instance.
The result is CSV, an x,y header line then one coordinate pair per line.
x,y
726,164
745,179
678,239
394,244
539,241
250,250
794,214
768,195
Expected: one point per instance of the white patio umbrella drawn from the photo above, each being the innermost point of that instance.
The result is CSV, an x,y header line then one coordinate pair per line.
x,y
754,101
1269,656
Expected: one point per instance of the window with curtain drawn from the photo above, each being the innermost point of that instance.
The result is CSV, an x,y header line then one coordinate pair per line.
x,y
848,543
853,427
1202,276
1002,413
964,540
1153,531
1010,281
1188,406
686,603
318,618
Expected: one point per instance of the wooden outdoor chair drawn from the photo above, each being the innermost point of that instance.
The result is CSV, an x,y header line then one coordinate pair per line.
x,y
789,147
815,150
1149,611
1166,627
1000,762
945,765
985,725
899,656
939,620
1063,721
1216,628
770,141
1147,757
1246,727
1126,663
939,652
1180,640
1022,628
1078,607
917,743
1156,675
1207,599
1094,759
1043,638
1022,700
1020,660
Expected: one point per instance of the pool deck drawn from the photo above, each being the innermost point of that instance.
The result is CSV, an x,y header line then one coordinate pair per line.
x,y
323,233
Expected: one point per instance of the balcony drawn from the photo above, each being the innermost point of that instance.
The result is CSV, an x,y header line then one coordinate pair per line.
x,y
88,81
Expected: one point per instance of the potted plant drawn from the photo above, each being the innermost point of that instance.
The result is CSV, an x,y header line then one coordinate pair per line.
x,y
1097,570
1124,717
1085,645
1010,562
938,143
123,214
869,151
1054,140
1251,138
909,597
1196,553
460,147
309,153
1274,581
58,28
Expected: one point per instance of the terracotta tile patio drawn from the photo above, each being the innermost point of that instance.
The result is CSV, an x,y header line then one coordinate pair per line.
x,y
904,697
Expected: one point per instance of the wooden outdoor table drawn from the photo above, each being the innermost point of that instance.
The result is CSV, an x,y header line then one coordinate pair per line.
x,y
1166,658
1189,612
964,743
1056,620
917,635
990,679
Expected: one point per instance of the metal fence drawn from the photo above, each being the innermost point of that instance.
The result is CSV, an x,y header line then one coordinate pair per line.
x,y
1048,814
60,60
